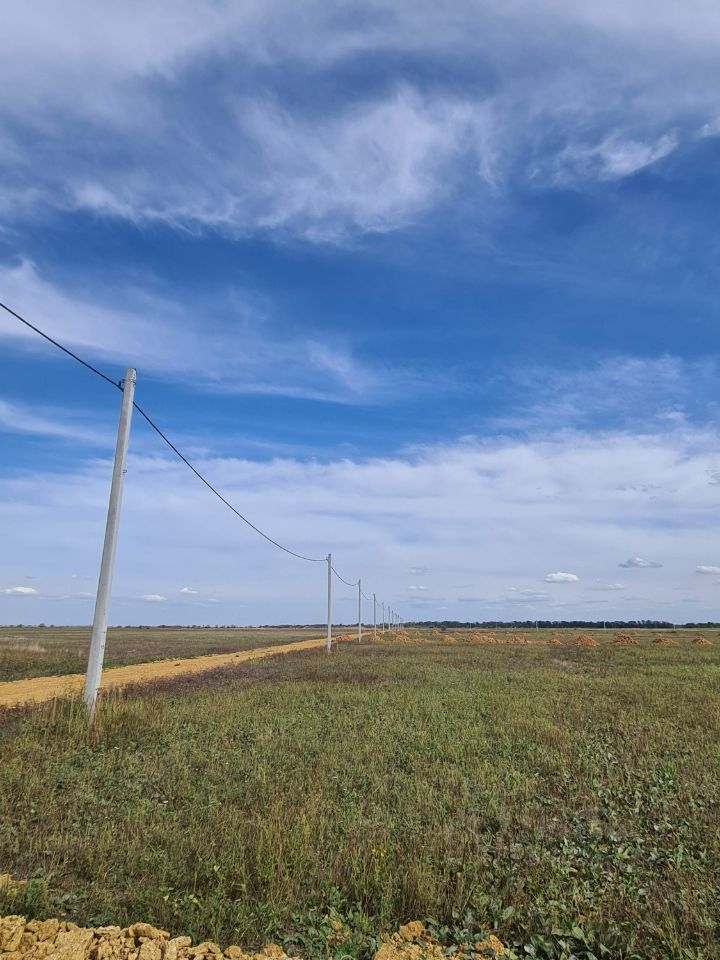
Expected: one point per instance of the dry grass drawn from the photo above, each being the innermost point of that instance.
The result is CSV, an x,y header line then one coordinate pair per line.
x,y
481,785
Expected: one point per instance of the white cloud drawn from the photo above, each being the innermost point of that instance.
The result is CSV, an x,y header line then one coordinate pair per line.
x,y
612,391
702,568
613,158
244,351
599,585
20,591
416,587
153,597
101,122
571,495
561,577
188,590
640,563
17,418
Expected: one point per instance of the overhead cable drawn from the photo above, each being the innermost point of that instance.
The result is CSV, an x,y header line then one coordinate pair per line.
x,y
157,429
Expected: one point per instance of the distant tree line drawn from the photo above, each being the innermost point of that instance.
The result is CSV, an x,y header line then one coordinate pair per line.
x,y
556,624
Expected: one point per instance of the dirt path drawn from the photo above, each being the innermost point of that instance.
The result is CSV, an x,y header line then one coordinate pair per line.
x,y
40,689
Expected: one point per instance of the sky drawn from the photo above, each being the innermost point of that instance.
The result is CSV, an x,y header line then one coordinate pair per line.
x,y
431,287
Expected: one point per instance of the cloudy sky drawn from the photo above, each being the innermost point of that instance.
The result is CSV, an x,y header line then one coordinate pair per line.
x,y
432,287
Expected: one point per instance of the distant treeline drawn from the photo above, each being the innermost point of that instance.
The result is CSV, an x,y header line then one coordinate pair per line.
x,y
557,624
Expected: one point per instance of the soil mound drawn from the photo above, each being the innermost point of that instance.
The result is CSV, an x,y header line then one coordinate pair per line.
x,y
664,641
702,640
625,639
58,940
414,942
553,638
479,638
584,640
516,638
66,941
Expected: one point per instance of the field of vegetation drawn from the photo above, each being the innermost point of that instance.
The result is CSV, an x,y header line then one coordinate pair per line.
x,y
565,796
44,651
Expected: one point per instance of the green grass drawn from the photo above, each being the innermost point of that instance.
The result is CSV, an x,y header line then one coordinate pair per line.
x,y
44,651
552,794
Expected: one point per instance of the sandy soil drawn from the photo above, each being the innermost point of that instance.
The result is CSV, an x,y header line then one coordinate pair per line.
x,y
40,689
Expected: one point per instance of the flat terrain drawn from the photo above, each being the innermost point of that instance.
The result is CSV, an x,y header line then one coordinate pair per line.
x,y
41,689
554,793
44,651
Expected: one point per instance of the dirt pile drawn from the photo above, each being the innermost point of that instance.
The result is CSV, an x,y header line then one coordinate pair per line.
x,y
584,640
625,639
702,640
413,942
480,638
553,638
664,641
57,940
516,638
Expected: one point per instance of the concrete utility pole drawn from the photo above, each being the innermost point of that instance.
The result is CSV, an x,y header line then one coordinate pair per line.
x,y
374,618
107,564
383,617
329,598
359,611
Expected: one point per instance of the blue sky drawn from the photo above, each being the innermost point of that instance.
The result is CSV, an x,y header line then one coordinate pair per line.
x,y
433,288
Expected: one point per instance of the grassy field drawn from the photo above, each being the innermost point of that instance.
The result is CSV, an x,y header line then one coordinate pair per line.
x,y
43,651
566,797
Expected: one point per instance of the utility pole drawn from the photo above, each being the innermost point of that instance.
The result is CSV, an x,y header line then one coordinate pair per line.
x,y
107,564
359,611
374,618
329,599
383,616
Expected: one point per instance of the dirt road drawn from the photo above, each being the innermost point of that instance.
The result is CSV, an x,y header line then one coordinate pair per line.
x,y
40,689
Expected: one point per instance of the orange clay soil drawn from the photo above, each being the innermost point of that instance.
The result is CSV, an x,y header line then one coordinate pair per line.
x,y
584,641
625,639
52,939
40,689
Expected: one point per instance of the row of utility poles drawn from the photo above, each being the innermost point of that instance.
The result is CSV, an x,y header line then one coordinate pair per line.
x,y
102,603
392,623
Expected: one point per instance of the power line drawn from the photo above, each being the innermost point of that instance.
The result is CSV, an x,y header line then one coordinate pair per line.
x,y
157,429
207,483
60,346
347,583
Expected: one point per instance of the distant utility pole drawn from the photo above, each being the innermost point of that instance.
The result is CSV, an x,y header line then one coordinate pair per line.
x,y
107,564
359,611
329,599
383,617
374,618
